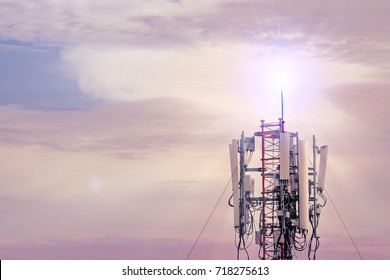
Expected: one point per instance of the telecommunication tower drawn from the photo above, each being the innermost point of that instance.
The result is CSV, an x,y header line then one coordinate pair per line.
x,y
284,218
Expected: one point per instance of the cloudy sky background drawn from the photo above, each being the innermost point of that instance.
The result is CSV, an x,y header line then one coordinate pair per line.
x,y
115,120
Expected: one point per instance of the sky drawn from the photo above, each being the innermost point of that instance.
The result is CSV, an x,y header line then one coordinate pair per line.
x,y
115,120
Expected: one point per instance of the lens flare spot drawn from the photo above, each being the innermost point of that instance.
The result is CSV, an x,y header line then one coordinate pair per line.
x,y
95,184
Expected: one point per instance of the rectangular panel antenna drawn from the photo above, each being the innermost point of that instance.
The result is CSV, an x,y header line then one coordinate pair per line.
x,y
284,156
322,167
233,148
303,166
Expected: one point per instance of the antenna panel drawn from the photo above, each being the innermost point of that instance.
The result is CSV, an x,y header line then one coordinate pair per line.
x,y
322,167
303,166
284,156
233,148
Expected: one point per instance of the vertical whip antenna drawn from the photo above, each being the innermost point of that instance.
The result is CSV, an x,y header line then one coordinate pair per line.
x,y
281,100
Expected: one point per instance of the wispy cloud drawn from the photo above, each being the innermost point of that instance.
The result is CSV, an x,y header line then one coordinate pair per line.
x,y
299,24
133,129
139,49
99,21
11,199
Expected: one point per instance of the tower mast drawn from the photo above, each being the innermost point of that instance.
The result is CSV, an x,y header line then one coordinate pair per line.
x,y
287,208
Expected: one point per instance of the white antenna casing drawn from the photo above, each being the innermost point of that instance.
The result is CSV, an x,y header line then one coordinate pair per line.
x,y
322,167
284,156
303,184
233,148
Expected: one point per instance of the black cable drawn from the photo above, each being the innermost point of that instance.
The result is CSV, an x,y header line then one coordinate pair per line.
x,y
310,251
298,244
239,245
230,201
242,235
316,239
323,198
243,248
230,198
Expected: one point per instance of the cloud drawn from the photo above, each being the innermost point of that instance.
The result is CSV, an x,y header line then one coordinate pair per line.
x,y
126,74
33,79
10,199
131,130
333,26
136,199
365,101
140,49
138,22
216,74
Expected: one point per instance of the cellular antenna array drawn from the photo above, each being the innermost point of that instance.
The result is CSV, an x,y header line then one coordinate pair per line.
x,y
284,218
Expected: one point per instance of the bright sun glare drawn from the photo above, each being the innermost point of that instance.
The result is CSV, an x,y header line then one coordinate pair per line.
x,y
290,71
297,71
285,70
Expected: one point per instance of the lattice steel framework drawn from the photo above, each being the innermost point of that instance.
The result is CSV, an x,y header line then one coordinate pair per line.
x,y
288,205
